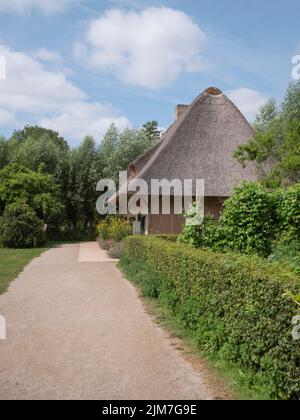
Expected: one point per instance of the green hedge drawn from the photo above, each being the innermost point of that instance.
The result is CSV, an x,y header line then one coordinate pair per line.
x,y
232,305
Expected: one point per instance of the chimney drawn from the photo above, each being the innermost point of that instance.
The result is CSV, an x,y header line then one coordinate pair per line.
x,y
180,110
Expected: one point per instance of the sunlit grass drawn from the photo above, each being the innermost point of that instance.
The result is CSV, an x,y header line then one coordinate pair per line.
x,y
12,262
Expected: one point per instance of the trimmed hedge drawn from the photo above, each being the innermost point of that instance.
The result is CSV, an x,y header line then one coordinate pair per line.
x,y
232,305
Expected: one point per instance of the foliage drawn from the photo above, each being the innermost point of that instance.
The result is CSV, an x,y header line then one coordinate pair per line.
x,y
103,229
119,229
114,228
35,153
246,225
38,190
247,221
152,131
118,150
286,252
40,149
36,133
295,298
204,235
4,159
117,250
288,213
20,227
232,305
84,176
275,147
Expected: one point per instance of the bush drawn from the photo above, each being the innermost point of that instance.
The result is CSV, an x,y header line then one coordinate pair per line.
x,y
103,229
201,236
247,222
286,252
106,245
117,250
288,213
114,228
21,228
246,225
232,305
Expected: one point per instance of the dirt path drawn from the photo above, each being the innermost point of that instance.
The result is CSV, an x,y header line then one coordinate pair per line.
x,y
77,330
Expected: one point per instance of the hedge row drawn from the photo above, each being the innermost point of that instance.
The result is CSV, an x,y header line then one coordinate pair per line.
x,y
233,306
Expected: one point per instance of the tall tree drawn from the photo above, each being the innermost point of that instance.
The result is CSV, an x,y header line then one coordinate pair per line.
x,y
4,154
152,131
275,147
118,150
38,148
84,175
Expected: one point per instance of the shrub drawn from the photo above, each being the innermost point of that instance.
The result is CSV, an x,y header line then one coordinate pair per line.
x,y
103,229
288,213
246,225
38,190
247,222
117,250
201,236
119,229
232,305
114,228
20,227
106,245
286,252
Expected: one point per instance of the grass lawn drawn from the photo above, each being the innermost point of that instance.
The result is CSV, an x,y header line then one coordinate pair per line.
x,y
12,262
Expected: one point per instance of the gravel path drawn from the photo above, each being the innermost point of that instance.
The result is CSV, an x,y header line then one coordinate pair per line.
x,y
77,330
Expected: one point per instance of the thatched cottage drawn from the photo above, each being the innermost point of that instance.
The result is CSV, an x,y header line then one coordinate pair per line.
x,y
199,145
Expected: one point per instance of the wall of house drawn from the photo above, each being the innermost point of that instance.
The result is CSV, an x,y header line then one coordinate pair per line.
x,y
165,224
214,206
172,224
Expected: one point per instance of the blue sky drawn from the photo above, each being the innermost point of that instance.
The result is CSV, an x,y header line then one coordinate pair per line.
x,y
78,65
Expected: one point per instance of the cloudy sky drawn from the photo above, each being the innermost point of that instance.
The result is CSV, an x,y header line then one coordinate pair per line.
x,y
78,65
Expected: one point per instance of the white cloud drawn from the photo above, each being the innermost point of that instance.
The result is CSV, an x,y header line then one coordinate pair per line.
x,y
47,97
85,118
248,101
6,117
148,49
44,6
46,55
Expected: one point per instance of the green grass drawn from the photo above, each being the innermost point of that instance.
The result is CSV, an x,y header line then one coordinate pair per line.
x,y
12,262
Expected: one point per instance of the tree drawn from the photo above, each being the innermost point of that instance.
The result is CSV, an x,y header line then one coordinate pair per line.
x,y
37,190
275,148
152,131
20,227
40,149
118,150
107,152
84,176
36,132
4,159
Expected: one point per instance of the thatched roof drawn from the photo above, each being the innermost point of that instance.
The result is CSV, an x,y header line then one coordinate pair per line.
x,y
200,145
